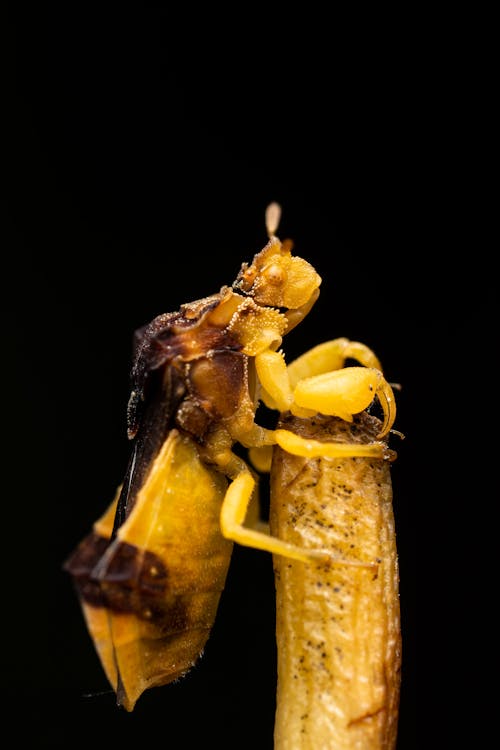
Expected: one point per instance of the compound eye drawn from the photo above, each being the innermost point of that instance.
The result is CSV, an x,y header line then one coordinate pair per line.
x,y
274,274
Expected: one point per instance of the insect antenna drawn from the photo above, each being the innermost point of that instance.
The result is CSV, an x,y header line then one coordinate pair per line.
x,y
98,694
273,216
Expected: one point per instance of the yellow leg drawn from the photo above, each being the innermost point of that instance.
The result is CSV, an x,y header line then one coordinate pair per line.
x,y
278,380
273,376
232,517
331,355
342,393
338,392
252,436
275,382
261,458
252,517
299,446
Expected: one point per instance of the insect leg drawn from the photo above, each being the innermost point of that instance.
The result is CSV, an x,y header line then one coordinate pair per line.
x,y
274,379
276,390
261,458
338,392
299,446
232,517
342,393
328,356
278,380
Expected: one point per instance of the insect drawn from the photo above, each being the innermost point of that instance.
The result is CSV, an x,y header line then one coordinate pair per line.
x,y
150,574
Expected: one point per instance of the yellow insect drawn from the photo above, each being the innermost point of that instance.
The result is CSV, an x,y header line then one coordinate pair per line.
x,y
150,574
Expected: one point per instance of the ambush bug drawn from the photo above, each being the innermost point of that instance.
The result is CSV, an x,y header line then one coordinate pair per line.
x,y
150,574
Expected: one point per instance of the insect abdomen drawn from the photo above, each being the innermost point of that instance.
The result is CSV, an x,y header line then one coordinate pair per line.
x,y
150,600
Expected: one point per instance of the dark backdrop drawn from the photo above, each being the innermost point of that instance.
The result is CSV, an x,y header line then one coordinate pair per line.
x,y
144,155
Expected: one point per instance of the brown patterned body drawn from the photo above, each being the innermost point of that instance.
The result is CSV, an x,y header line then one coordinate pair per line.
x,y
150,574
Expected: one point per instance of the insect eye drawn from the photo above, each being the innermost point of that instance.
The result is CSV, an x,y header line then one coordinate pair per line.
x,y
274,274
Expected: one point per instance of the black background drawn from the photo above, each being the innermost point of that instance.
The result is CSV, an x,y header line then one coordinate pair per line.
x,y
144,150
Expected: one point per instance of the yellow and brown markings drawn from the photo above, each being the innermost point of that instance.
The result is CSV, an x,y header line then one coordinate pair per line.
x,y
188,372
175,341
150,594
134,581
151,573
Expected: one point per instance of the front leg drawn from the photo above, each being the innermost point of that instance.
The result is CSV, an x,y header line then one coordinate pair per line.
x,y
328,356
261,457
308,448
343,393
339,393
278,380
